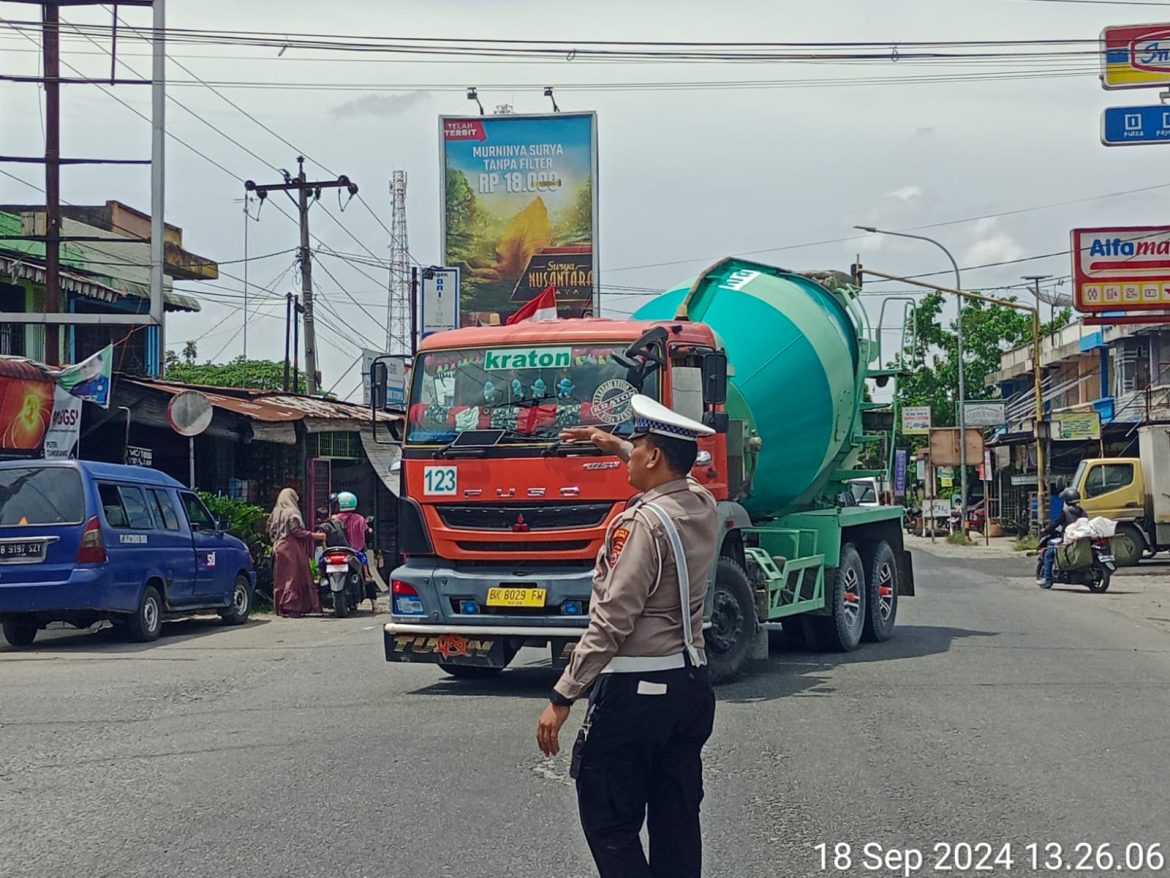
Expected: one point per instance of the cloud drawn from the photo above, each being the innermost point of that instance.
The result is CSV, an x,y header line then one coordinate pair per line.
x,y
997,247
383,105
906,193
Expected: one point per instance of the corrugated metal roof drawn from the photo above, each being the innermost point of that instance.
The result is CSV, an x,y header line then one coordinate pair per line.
x,y
271,407
24,369
104,289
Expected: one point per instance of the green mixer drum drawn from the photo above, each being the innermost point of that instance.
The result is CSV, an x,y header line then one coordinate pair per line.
x,y
794,355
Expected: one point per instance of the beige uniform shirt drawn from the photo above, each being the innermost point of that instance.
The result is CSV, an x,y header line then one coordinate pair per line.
x,y
633,611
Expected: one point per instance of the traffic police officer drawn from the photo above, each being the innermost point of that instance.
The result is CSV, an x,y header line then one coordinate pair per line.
x,y
651,707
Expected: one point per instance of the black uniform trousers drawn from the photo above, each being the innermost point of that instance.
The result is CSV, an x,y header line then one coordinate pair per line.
x,y
638,759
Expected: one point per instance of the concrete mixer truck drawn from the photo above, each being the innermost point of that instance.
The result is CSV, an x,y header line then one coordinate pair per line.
x,y
500,522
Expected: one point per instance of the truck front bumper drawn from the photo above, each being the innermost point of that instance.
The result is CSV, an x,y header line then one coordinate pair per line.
x,y
489,646
434,624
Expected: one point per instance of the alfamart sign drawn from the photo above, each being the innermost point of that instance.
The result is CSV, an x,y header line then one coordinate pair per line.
x,y
527,358
1121,269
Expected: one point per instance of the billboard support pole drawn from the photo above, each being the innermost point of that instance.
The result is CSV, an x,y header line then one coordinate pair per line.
x,y
413,310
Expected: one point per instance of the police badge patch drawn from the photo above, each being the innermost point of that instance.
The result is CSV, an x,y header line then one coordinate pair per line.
x,y
617,543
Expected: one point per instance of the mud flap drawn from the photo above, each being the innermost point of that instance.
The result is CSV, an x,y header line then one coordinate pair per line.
x,y
906,575
452,649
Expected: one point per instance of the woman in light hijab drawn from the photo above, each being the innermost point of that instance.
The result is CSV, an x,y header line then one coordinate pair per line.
x,y
293,590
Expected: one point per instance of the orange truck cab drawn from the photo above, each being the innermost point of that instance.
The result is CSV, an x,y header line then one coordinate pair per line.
x,y
501,522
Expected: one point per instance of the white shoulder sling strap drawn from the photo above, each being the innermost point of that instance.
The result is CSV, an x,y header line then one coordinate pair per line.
x,y
698,659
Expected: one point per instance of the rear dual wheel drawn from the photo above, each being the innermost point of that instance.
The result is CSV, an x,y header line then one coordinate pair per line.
x,y
881,594
847,600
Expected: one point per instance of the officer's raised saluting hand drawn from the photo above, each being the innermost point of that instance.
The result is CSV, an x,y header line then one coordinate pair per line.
x,y
603,439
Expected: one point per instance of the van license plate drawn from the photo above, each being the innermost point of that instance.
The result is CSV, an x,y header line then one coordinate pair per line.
x,y
516,597
22,552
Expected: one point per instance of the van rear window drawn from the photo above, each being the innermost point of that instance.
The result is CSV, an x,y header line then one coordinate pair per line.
x,y
40,495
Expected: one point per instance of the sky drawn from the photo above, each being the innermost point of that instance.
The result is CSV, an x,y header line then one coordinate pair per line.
x,y
996,158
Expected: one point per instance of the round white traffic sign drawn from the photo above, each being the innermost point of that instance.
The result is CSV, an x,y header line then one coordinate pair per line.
x,y
189,413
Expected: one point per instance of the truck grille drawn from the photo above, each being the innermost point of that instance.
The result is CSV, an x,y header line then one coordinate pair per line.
x,y
525,546
550,516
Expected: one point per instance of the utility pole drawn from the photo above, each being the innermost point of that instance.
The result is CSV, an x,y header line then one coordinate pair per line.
x,y
52,61
304,188
53,315
1035,279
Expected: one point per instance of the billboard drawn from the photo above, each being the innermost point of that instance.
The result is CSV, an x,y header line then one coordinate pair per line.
x,y
439,300
901,459
1135,56
1121,269
1076,426
915,419
984,413
520,211
26,405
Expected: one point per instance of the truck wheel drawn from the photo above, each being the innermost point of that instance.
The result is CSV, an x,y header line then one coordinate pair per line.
x,y
733,622
1132,545
470,672
846,599
237,613
881,594
20,633
146,624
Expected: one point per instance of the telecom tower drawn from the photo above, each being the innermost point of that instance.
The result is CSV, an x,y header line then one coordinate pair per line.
x,y
398,303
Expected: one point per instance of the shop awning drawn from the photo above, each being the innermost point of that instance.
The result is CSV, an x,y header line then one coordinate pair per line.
x,y
384,458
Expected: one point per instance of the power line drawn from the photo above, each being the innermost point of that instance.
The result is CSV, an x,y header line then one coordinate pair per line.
x,y
1105,2
589,50
941,224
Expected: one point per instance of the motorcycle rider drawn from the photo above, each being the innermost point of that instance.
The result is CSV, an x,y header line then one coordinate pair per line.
x,y
355,526
1070,512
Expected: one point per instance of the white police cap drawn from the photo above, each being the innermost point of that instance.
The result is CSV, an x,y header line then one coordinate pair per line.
x,y
653,417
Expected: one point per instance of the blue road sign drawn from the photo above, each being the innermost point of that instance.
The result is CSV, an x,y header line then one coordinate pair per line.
x,y
1125,126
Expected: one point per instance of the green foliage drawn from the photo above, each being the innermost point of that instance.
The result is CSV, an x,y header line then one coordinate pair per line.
x,y
255,374
959,539
244,520
1027,544
932,359
462,216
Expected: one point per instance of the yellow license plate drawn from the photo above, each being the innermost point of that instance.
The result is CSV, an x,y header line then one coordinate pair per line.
x,y
516,597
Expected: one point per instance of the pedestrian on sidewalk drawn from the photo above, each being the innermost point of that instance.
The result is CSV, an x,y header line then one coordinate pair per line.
x,y
293,591
637,758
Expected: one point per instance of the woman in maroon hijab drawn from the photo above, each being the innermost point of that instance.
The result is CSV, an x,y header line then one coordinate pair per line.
x,y
293,591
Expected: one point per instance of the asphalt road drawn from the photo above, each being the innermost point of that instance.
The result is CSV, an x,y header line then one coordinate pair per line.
x,y
999,714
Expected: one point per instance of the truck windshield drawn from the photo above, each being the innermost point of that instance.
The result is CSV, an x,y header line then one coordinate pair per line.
x,y
530,392
40,495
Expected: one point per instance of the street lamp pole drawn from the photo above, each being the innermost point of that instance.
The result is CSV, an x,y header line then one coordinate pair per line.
x,y
962,418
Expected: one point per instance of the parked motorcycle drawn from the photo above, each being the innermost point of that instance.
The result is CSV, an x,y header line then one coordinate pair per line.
x,y
1093,569
342,582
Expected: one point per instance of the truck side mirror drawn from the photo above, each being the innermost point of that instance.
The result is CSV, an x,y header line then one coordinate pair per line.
x,y
378,386
715,378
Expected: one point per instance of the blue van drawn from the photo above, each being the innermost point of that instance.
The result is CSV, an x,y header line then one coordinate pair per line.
x,y
82,541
